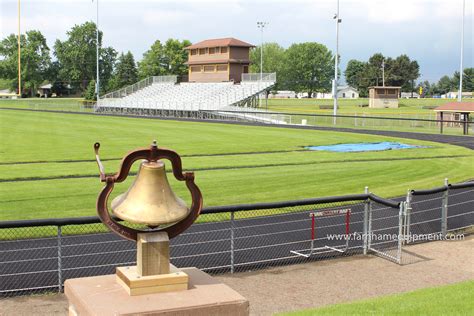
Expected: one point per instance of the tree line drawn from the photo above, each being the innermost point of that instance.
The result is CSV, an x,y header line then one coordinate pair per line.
x,y
302,67
71,64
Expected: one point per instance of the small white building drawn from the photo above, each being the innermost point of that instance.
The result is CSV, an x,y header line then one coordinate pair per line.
x,y
409,95
343,92
283,94
454,95
347,92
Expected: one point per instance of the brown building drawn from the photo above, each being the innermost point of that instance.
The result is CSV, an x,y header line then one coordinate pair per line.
x,y
217,60
456,113
383,97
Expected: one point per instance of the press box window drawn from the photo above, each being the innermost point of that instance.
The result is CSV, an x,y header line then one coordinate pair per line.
x,y
209,68
195,68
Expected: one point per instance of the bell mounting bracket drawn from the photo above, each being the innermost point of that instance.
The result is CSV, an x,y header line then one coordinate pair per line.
x,y
153,153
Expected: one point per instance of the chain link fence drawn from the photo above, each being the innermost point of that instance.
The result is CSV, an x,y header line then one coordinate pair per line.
x,y
39,255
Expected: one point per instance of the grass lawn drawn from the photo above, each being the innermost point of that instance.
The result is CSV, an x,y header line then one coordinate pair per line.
x,y
47,166
407,107
457,299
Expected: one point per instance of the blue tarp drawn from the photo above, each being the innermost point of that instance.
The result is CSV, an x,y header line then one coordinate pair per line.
x,y
363,147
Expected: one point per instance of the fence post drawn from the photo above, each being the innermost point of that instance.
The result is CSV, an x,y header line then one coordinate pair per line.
x,y
232,231
369,227
401,217
60,268
444,209
408,217
367,208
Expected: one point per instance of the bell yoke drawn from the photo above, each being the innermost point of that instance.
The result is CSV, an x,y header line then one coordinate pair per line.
x,y
150,200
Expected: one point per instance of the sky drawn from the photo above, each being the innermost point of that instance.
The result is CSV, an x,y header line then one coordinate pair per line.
x,y
428,31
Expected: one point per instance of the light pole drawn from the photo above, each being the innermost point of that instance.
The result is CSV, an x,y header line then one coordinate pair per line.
x,y
261,26
461,70
97,86
19,51
383,72
334,83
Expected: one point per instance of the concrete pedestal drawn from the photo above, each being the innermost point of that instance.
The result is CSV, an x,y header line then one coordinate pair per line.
x,y
103,296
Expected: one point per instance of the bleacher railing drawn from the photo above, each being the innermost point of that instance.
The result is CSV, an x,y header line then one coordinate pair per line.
x,y
259,77
123,92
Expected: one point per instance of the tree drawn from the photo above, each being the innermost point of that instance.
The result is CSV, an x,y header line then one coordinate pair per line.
x,y
356,76
445,84
35,60
273,61
403,72
77,56
168,59
175,57
467,80
308,67
374,69
90,94
125,72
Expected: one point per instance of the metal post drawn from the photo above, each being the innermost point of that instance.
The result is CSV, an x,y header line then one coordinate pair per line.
x,y
97,52
444,209
408,214
232,252
19,50
60,267
366,219
336,17
401,216
461,70
369,227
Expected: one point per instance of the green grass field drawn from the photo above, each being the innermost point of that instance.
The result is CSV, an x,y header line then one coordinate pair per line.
x,y
457,299
407,107
39,152
302,109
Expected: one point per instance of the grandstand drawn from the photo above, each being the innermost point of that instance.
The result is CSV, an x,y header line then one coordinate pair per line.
x,y
163,96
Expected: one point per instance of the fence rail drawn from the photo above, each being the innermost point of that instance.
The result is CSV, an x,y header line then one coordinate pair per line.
x,y
259,77
38,255
139,85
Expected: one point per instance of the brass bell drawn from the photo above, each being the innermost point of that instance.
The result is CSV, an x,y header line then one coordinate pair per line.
x,y
150,200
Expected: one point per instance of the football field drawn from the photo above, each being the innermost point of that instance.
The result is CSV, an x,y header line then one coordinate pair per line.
x,y
47,166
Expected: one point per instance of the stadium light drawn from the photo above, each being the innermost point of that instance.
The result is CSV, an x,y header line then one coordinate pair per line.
x,y
334,83
461,70
97,84
261,26
19,51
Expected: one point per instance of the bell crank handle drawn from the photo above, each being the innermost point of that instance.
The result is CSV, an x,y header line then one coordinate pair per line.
x,y
99,163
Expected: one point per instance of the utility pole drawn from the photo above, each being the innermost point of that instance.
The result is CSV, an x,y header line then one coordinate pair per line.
x,y
383,72
334,83
261,26
19,51
461,70
97,86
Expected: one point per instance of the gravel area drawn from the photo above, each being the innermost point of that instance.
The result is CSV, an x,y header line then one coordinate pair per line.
x,y
318,283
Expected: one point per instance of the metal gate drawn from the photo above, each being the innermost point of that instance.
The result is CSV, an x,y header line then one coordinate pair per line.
x,y
386,227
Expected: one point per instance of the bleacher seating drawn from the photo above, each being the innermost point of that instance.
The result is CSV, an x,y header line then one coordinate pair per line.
x,y
188,96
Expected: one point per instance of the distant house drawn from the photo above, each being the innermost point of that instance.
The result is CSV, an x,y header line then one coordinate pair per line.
x,y
454,95
347,92
455,111
283,94
383,97
343,92
409,95
44,91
